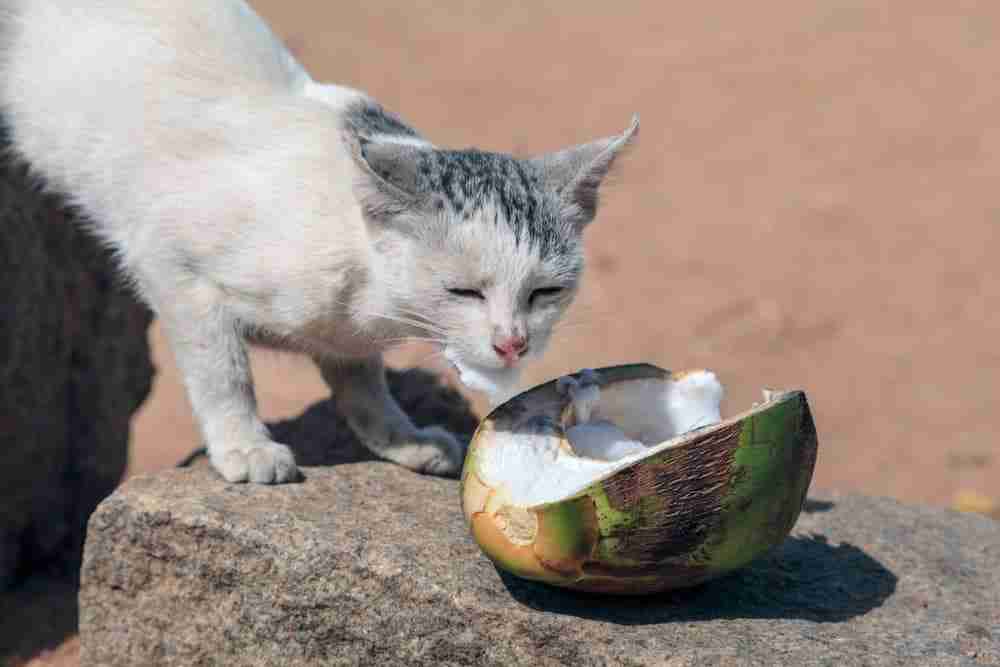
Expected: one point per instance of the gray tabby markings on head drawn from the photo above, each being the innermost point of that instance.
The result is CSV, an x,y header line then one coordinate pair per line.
x,y
540,199
366,119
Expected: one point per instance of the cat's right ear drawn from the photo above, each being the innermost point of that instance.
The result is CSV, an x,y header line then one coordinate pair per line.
x,y
391,184
576,174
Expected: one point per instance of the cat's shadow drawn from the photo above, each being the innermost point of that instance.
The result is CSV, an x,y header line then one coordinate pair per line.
x,y
805,578
320,436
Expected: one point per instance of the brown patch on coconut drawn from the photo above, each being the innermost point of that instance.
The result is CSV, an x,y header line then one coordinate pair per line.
x,y
518,525
519,559
683,511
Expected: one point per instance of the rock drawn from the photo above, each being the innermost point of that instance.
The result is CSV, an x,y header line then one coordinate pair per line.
x,y
74,366
367,563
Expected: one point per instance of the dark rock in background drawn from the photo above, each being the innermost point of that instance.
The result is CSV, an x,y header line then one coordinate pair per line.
x,y
74,366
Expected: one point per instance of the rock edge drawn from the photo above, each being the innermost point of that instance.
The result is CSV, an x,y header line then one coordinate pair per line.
x,y
367,563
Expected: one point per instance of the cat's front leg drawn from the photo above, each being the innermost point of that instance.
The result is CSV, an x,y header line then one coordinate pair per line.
x,y
213,360
362,396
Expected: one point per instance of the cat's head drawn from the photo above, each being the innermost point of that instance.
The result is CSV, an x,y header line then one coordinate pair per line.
x,y
482,250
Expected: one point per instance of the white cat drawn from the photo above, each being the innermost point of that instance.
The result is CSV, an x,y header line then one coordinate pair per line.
x,y
246,201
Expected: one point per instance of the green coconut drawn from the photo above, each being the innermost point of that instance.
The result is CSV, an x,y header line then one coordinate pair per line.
x,y
704,496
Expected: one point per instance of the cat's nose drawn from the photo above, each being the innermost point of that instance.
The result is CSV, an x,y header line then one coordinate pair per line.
x,y
510,348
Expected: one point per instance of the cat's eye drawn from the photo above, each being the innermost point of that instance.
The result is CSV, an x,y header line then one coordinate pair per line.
x,y
467,293
544,292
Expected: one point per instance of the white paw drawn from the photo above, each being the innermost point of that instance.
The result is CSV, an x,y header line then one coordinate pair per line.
x,y
261,463
432,451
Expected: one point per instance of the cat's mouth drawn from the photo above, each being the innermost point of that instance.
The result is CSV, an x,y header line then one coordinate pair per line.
x,y
499,384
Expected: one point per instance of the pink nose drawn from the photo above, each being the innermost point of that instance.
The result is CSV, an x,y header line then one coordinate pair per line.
x,y
511,349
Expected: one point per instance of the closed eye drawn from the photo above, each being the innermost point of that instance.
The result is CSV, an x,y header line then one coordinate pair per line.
x,y
544,293
467,293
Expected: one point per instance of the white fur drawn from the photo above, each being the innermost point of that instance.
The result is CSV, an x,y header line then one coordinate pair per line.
x,y
498,384
218,171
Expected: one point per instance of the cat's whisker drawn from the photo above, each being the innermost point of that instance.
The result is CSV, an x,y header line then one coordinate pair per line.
x,y
408,308
423,326
418,316
572,328
436,339
587,315
411,339
574,325
563,335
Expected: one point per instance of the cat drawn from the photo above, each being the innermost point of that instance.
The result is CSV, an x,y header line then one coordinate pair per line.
x,y
247,203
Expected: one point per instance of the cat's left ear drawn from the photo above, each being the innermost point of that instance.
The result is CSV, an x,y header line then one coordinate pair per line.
x,y
576,174
391,184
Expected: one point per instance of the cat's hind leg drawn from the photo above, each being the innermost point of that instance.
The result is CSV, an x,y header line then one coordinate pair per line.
x,y
212,356
362,396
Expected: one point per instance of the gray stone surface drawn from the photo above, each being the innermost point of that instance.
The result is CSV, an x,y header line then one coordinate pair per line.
x,y
74,366
366,563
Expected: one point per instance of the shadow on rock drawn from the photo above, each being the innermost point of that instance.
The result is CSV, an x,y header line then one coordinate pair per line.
x,y
812,506
805,578
321,437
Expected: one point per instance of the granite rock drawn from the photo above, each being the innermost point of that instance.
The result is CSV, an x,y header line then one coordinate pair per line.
x,y
74,366
367,563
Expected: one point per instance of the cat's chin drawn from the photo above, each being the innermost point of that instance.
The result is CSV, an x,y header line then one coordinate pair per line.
x,y
499,384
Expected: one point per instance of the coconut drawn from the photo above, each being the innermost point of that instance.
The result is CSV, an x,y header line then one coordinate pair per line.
x,y
627,479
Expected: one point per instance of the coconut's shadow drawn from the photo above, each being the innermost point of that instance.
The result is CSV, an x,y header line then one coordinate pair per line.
x,y
805,578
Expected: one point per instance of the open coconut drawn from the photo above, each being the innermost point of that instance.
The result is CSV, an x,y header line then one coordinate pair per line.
x,y
626,480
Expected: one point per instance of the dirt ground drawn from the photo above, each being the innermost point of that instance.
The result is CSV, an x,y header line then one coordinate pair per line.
x,y
812,203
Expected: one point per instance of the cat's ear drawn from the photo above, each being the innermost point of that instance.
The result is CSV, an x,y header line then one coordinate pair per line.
x,y
576,173
390,184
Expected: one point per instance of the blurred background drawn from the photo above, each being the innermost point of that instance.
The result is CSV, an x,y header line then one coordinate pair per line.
x,y
812,203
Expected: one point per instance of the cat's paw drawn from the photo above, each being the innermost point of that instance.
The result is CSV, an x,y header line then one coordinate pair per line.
x,y
263,462
432,451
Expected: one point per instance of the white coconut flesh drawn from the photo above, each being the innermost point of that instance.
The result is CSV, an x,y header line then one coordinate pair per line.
x,y
615,427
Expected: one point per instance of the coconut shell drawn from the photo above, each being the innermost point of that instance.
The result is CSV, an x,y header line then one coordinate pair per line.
x,y
712,502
